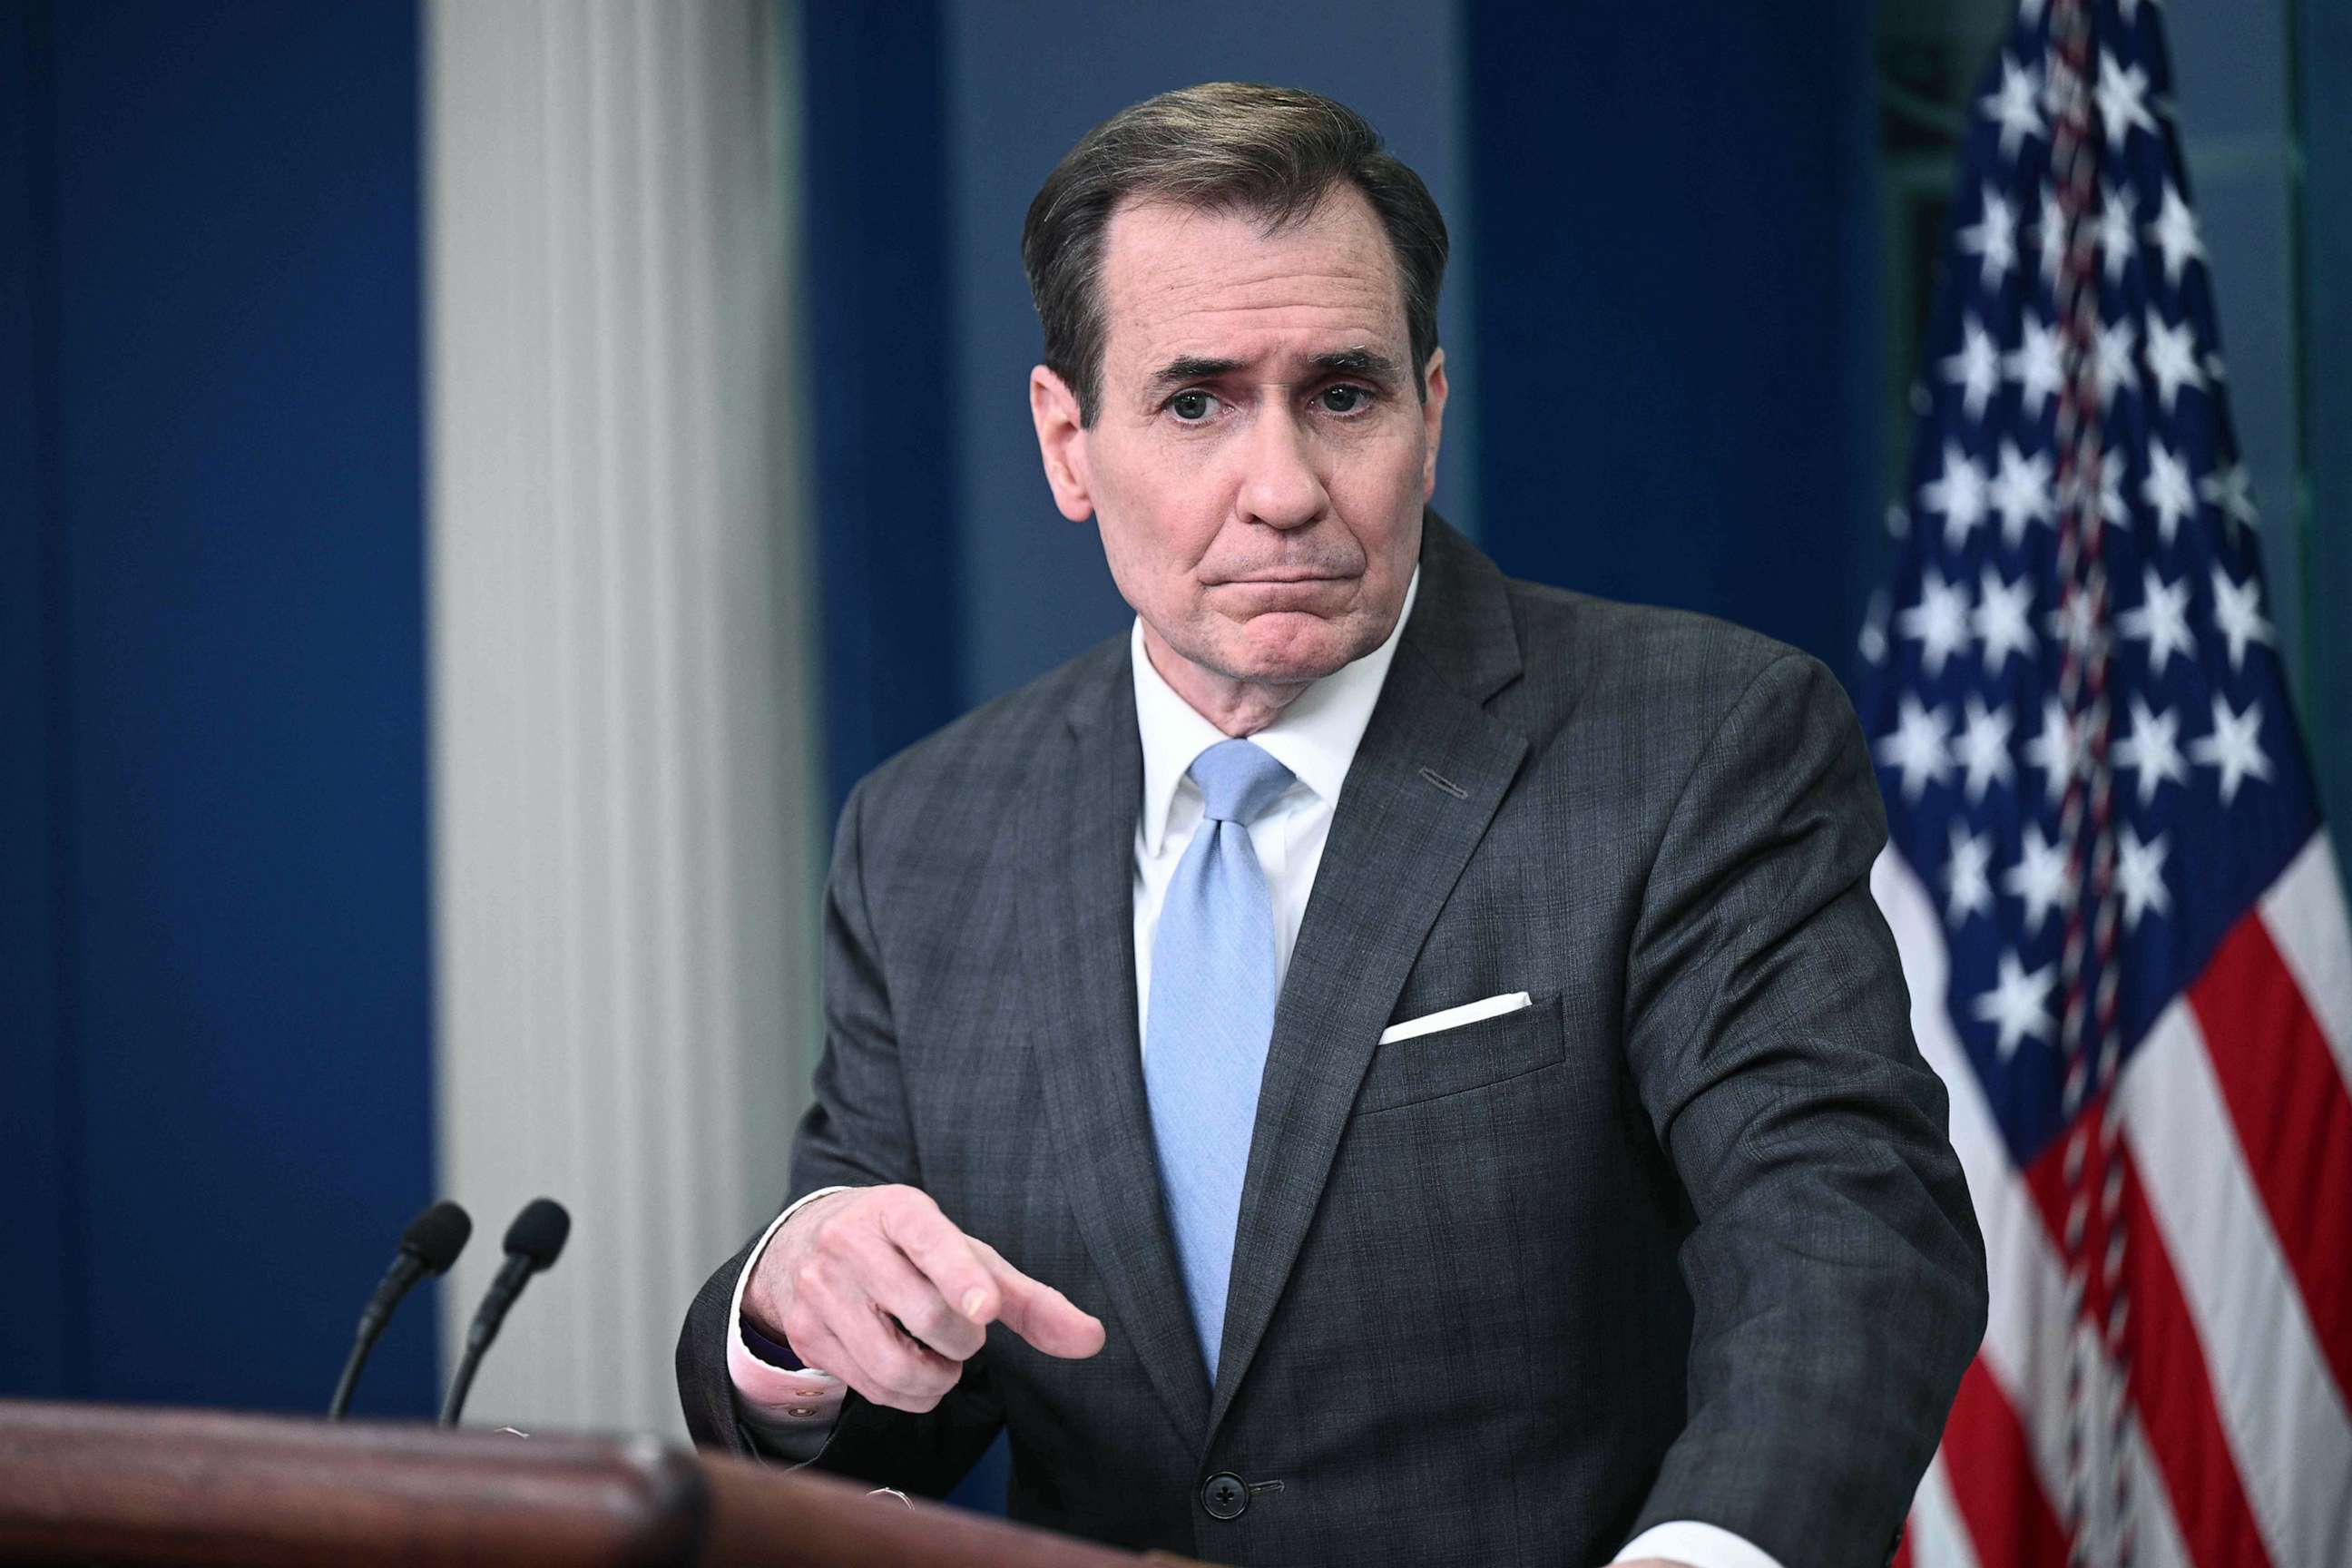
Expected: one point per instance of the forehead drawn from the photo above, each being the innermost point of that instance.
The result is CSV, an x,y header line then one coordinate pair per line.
x,y
1187,281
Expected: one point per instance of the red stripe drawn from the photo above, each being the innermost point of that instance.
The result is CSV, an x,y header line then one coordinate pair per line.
x,y
2170,1386
2293,1121
1991,1473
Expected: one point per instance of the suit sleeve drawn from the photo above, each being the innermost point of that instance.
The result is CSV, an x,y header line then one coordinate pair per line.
x,y
1836,1273
855,1133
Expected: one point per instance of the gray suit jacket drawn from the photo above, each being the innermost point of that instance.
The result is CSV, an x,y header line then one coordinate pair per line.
x,y
1684,1240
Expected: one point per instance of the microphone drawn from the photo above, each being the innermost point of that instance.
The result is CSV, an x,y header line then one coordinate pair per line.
x,y
533,1242
429,1245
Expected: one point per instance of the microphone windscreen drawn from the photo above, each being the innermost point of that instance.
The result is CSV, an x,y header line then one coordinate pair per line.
x,y
539,1232
437,1235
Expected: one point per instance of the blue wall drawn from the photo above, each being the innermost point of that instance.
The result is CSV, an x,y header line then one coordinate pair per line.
x,y
212,674
1678,288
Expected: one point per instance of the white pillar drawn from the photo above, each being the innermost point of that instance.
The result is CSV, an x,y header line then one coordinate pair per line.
x,y
624,784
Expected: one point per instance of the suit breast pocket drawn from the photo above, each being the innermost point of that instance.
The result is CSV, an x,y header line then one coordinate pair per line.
x,y
1470,1056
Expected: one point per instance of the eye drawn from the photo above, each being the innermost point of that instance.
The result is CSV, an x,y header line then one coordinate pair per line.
x,y
1343,399
1192,407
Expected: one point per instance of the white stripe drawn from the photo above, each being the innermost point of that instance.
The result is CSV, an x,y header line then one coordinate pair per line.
x,y
2279,1407
2026,1336
1940,1536
2305,912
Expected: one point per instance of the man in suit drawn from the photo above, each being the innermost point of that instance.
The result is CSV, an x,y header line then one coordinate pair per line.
x,y
1383,1063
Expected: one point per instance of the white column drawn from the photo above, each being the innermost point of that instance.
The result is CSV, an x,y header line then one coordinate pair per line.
x,y
625,791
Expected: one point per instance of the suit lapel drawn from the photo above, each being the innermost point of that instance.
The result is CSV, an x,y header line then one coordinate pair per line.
x,y
1078,938
1398,841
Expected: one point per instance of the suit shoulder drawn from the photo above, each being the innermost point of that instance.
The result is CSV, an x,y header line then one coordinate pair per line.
x,y
991,747
1644,657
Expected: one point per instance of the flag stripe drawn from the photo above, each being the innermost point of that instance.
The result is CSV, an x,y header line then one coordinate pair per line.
x,y
2276,1396
2170,1385
2293,1121
2304,912
1994,1488
2026,1343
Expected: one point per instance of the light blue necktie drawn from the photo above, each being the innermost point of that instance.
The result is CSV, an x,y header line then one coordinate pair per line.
x,y
1212,1017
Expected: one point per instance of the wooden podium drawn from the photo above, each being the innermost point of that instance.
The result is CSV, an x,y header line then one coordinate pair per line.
x,y
94,1483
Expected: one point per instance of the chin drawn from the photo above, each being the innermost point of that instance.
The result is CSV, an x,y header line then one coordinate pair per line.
x,y
1286,646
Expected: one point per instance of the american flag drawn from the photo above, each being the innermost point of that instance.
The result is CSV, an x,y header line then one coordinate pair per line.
x,y
2119,909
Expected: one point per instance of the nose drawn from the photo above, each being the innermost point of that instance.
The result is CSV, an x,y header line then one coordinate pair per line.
x,y
1280,485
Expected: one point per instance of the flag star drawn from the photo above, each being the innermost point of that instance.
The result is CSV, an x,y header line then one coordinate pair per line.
x,y
1916,747
2172,358
2000,619
2234,747
1958,492
2054,750
2034,366
2111,488
2017,1007
2117,242
2111,361
2174,233
2231,490
1967,878
2074,626
2021,494
1992,238
1983,748
2166,488
2039,879
2052,231
2139,875
2013,106
2123,99
2152,750
1976,369
2161,620
2238,611
1940,620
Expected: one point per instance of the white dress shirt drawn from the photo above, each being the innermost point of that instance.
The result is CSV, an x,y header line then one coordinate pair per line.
x,y
1316,738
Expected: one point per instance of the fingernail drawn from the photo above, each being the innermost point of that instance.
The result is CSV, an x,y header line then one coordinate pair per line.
x,y
971,1301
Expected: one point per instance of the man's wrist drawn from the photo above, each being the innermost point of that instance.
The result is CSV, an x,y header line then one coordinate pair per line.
x,y
787,1405
747,1301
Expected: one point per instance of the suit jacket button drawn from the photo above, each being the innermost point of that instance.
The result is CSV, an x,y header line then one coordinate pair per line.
x,y
1225,1496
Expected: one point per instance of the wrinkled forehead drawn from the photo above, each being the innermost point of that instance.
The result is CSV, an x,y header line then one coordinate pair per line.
x,y
1223,283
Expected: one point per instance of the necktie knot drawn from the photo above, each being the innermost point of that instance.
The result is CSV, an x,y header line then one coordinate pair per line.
x,y
1239,781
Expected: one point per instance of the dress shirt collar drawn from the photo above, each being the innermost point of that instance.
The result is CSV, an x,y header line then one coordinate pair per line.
x,y
1316,737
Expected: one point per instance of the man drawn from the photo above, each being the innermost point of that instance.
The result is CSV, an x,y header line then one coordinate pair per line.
x,y
1384,1063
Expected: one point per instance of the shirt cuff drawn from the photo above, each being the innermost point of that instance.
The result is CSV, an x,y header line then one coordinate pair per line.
x,y
1699,1545
793,1409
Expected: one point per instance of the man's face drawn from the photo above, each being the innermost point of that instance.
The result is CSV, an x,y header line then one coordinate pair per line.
x,y
1259,460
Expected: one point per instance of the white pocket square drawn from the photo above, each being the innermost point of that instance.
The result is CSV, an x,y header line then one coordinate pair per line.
x,y
1454,1017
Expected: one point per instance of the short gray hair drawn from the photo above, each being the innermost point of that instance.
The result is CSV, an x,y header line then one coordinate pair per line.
x,y
1272,151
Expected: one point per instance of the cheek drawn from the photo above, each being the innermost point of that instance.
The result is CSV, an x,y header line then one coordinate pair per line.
x,y
1158,515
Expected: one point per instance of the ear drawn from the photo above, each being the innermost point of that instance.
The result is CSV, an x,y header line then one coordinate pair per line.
x,y
1061,443
1433,418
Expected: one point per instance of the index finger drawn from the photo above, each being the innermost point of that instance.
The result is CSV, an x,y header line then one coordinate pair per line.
x,y
947,1257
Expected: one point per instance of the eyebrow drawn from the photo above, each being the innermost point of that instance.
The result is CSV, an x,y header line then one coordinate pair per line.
x,y
1370,363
